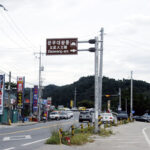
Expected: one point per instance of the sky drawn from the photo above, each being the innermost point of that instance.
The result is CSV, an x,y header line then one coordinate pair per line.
x,y
27,24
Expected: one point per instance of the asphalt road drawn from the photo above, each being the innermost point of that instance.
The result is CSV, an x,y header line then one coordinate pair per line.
x,y
32,136
132,136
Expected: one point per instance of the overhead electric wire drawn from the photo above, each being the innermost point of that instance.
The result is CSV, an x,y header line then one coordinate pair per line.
x,y
130,42
16,30
20,30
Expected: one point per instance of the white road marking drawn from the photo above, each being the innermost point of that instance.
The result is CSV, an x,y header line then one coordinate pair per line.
x,y
20,137
6,138
146,137
34,142
10,148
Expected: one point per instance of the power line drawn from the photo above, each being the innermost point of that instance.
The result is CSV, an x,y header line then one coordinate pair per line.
x,y
17,30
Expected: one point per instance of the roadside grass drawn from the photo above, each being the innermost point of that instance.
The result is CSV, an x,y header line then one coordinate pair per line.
x,y
82,136
79,137
54,139
104,132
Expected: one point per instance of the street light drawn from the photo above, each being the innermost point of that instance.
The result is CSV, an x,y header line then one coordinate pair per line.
x,y
3,7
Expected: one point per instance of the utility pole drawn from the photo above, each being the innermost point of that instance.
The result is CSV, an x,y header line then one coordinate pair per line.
x,y
41,68
75,97
96,85
101,70
9,92
31,98
126,105
120,99
39,86
131,96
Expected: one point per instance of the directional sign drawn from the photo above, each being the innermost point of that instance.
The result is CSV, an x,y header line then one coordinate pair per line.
x,y
62,46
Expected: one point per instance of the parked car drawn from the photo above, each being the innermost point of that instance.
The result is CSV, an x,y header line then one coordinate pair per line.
x,y
64,115
70,113
144,118
122,115
82,108
54,115
107,117
74,109
85,116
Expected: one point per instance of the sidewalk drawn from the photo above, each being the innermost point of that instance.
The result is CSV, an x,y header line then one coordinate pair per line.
x,y
20,123
128,136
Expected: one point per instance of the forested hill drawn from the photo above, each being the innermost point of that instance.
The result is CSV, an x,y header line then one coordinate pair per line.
x,y
61,95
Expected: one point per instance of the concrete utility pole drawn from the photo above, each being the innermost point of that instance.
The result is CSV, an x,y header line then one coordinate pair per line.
x,y
96,85
40,85
101,70
75,97
131,96
31,98
126,105
120,99
9,92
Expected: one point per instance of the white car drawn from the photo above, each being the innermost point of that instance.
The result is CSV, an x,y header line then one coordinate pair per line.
x,y
107,117
70,113
64,115
54,115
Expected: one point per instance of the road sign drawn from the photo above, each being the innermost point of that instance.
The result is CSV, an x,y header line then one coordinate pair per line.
x,y
62,46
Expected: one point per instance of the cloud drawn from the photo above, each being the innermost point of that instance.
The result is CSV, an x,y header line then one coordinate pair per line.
x,y
139,20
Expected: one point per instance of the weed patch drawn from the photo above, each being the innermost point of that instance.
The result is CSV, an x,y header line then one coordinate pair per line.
x,y
104,132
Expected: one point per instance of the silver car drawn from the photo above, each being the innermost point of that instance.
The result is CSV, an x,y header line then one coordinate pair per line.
x,y
54,115
85,116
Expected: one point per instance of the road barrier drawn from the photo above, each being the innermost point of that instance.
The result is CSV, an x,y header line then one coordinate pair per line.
x,y
82,128
89,126
72,130
99,121
60,135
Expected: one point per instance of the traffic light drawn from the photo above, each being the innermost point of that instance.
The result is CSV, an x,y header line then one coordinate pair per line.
x,y
107,95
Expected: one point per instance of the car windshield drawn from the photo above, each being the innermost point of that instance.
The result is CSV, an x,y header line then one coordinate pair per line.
x,y
122,112
63,113
85,112
53,113
106,114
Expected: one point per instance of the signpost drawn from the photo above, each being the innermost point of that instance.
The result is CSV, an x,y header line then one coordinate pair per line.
x,y
63,46
69,46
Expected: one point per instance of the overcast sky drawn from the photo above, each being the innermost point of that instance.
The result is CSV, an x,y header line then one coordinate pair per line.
x,y
28,23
